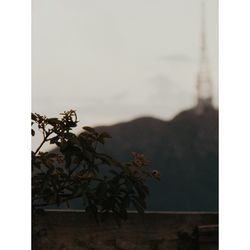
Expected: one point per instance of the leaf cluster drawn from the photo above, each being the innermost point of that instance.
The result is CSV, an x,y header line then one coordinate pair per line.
x,y
78,170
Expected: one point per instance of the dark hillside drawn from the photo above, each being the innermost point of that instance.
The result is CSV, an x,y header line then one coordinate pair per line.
x,y
184,149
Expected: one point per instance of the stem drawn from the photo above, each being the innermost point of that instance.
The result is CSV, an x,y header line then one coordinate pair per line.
x,y
44,140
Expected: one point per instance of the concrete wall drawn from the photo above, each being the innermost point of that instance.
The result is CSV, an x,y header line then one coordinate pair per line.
x,y
66,230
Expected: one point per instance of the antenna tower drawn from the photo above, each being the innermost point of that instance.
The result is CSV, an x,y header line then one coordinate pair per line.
x,y
204,82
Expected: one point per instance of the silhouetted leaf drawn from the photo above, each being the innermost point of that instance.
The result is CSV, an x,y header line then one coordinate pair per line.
x,y
33,117
52,121
89,129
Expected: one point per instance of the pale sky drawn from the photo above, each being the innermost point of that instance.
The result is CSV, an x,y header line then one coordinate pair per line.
x,y
115,60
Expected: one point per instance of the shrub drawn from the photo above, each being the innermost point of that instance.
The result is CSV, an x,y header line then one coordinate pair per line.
x,y
78,170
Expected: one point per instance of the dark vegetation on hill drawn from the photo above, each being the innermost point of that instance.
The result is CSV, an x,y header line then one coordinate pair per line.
x,y
185,150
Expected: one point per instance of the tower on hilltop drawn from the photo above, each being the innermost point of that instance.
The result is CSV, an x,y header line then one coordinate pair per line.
x,y
204,82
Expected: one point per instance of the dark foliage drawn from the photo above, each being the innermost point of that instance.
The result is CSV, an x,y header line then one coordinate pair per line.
x,y
78,170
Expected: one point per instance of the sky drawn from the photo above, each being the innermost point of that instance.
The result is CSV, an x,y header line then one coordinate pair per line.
x,y
115,60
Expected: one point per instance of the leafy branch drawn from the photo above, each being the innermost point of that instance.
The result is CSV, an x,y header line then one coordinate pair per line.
x,y
77,170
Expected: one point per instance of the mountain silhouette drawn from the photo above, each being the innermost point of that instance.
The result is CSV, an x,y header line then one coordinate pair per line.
x,y
185,150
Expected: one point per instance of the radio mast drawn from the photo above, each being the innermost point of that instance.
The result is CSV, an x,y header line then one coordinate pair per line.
x,y
204,82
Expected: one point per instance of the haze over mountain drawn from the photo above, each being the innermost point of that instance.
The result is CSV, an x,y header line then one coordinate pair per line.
x,y
185,150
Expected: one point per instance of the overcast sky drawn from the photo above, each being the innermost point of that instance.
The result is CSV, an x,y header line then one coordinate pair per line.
x,y
115,60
